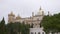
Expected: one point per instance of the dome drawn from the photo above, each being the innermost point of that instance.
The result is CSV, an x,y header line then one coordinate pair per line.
x,y
40,12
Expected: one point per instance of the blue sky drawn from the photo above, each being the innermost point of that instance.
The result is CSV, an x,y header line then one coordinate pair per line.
x,y
25,7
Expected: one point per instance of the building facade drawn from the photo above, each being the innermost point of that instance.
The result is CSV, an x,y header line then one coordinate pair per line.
x,y
34,19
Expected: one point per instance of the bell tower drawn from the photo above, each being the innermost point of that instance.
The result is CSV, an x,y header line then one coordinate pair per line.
x,y
11,17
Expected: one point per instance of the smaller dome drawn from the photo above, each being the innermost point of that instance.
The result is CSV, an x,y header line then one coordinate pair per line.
x,y
18,17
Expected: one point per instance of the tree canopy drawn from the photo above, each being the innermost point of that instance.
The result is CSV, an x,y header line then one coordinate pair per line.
x,y
14,28
51,23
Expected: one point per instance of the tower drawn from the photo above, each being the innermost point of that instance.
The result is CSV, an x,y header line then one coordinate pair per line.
x,y
11,17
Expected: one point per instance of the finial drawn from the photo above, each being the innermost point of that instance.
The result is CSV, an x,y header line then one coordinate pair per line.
x,y
40,8
48,13
32,13
18,17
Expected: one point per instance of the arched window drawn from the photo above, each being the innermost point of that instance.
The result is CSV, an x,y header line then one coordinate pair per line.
x,y
31,32
38,32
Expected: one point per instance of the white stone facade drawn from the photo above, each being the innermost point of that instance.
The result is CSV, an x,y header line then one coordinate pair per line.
x,y
35,19
36,31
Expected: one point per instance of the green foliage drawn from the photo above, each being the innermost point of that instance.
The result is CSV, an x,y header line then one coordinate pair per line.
x,y
2,27
14,28
51,23
25,28
17,27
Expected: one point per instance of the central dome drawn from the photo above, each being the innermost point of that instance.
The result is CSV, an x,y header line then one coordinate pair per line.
x,y
40,12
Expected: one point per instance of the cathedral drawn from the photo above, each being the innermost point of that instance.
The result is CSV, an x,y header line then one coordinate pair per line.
x,y
34,19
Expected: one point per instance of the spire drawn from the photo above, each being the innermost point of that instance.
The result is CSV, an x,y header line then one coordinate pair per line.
x,y
32,13
40,8
48,13
18,17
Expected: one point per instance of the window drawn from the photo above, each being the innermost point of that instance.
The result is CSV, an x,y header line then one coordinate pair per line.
x,y
31,32
38,32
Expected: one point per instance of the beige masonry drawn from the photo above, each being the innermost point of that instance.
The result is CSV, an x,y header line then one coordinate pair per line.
x,y
35,19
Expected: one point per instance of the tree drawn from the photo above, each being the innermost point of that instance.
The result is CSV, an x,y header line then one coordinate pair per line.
x,y
25,28
51,23
14,28
2,26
